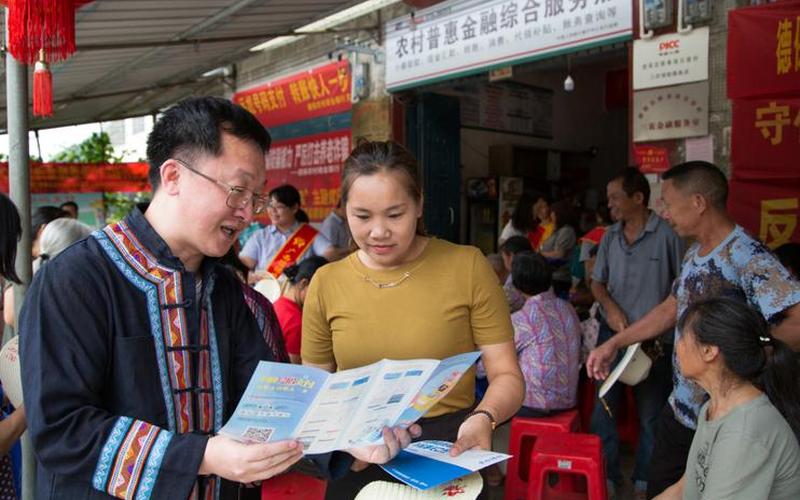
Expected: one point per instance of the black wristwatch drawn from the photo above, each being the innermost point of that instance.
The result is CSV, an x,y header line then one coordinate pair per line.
x,y
483,412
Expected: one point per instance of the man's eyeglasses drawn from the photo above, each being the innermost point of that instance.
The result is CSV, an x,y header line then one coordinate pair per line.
x,y
238,196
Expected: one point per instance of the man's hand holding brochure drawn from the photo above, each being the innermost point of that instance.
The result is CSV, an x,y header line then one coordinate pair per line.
x,y
344,410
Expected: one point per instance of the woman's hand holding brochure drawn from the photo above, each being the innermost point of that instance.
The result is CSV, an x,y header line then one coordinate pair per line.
x,y
394,440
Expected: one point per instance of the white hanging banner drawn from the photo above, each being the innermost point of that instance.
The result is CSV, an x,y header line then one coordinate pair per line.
x,y
462,37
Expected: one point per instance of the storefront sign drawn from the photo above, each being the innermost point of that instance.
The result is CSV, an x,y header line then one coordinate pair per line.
x,y
83,177
670,112
768,208
651,159
764,50
766,137
508,107
670,59
460,37
312,164
318,92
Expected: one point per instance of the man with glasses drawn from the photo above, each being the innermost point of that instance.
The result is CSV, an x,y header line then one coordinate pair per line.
x,y
137,343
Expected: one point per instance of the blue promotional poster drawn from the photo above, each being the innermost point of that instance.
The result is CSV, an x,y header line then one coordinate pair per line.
x,y
335,411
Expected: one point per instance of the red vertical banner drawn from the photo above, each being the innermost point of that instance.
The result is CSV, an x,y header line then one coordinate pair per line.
x,y
766,137
764,50
764,83
767,208
312,164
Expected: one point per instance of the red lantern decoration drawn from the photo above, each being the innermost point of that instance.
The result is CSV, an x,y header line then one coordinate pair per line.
x,y
41,32
42,89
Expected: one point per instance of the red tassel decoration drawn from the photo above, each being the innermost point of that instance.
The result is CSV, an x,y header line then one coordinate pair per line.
x,y
41,24
42,90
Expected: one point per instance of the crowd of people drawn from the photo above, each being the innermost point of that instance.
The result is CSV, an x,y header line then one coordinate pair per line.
x,y
129,376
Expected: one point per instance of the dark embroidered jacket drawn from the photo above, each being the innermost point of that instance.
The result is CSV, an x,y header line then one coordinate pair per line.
x,y
127,370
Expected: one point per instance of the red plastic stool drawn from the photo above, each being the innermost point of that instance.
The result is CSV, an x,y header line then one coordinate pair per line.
x,y
524,434
295,486
570,456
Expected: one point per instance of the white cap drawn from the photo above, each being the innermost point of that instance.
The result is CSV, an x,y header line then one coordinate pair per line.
x,y
632,369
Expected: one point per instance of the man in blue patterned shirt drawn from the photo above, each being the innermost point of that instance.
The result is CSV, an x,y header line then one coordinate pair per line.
x,y
724,261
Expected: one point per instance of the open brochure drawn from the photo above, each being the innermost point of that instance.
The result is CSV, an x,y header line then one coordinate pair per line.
x,y
427,464
335,411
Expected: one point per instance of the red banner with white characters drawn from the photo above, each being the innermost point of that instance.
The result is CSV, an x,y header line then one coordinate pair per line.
x,y
83,177
768,208
651,159
318,92
312,164
764,50
766,137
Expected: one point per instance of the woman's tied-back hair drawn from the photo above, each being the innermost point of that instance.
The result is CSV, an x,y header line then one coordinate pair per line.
x,y
9,237
60,234
372,157
748,350
193,127
305,269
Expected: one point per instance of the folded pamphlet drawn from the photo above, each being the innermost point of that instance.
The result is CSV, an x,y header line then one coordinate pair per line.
x,y
335,411
427,464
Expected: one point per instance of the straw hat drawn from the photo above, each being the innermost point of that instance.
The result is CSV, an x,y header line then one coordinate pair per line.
x,y
632,369
464,488
9,372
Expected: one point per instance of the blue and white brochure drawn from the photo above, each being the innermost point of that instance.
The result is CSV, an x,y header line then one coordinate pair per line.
x,y
427,464
347,409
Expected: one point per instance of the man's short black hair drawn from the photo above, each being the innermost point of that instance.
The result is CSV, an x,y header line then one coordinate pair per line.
x,y
700,177
634,181
194,126
71,204
515,245
530,273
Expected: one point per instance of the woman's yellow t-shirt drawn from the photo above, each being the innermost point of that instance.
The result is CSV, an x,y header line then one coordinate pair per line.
x,y
450,303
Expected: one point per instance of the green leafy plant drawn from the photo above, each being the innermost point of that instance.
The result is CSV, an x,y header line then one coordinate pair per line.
x,y
118,205
96,149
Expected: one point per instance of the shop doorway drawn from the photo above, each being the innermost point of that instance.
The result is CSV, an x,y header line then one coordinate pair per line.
x,y
433,126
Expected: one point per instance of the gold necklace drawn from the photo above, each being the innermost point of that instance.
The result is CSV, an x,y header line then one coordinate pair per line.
x,y
390,284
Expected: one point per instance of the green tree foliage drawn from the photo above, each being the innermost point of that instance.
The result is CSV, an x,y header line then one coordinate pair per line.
x,y
118,205
95,149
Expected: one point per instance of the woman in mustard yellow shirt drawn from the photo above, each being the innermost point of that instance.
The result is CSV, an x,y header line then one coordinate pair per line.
x,y
405,295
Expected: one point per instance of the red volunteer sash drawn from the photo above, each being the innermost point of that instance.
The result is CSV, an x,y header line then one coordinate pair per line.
x,y
536,236
296,245
595,235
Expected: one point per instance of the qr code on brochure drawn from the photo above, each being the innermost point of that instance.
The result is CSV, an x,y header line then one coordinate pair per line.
x,y
257,434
